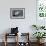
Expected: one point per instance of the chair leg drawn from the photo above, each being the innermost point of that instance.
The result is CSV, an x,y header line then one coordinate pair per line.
x,y
5,40
5,43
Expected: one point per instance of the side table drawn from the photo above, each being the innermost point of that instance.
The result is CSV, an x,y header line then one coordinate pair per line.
x,y
8,34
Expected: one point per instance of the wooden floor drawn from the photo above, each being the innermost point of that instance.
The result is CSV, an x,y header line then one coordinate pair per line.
x,y
13,44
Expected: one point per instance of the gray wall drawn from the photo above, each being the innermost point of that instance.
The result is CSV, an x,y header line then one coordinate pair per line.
x,y
23,24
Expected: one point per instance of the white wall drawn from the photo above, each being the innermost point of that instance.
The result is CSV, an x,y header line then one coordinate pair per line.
x,y
23,24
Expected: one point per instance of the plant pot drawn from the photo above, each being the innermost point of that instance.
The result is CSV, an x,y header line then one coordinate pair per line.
x,y
40,41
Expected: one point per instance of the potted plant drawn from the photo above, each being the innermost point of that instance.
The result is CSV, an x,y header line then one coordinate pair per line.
x,y
39,35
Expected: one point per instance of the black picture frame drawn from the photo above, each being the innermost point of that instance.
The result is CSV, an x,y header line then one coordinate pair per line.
x,y
17,13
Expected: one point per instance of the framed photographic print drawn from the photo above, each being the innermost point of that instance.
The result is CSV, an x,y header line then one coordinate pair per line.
x,y
41,8
17,13
41,12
